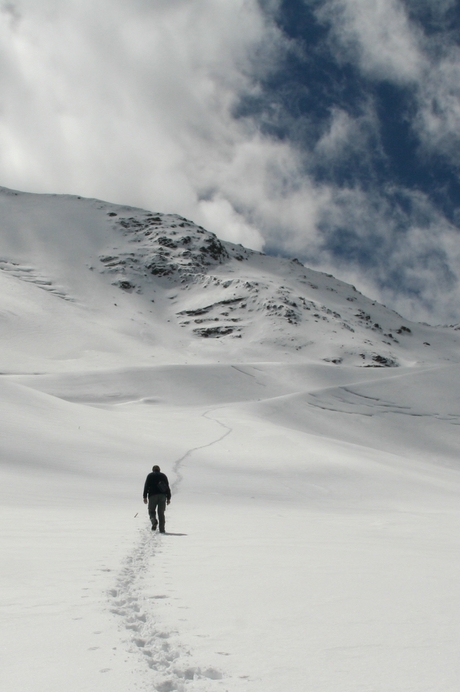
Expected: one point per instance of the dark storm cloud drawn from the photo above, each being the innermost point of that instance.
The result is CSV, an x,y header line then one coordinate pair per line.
x,y
328,129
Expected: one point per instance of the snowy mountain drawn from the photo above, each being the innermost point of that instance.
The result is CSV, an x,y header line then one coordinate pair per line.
x,y
180,285
310,436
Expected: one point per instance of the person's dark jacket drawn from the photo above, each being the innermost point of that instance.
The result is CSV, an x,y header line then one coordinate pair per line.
x,y
157,483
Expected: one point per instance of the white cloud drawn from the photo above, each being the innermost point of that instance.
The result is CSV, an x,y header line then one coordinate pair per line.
x,y
438,120
409,263
346,135
219,216
128,101
132,102
381,39
378,35
342,129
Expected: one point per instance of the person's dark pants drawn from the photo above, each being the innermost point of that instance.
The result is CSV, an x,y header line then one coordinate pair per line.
x,y
157,503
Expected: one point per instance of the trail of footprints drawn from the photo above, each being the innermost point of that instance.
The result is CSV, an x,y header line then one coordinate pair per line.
x,y
168,659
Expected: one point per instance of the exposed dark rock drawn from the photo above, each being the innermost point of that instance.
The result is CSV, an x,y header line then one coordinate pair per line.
x,y
125,285
195,313
207,332
207,308
108,259
382,361
167,242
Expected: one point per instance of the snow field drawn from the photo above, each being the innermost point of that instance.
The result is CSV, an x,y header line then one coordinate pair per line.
x,y
293,559
58,560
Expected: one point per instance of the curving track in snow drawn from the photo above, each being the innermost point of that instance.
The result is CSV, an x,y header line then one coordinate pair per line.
x,y
168,659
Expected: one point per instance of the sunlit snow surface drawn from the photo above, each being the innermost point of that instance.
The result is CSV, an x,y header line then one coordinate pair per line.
x,y
313,535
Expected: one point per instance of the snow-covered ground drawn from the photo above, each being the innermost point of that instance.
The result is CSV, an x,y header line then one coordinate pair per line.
x,y
313,535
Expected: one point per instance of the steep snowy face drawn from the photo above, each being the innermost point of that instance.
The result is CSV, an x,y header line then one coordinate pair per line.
x,y
217,290
150,281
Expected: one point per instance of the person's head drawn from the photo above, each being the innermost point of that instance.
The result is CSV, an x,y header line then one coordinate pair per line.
x,y
156,468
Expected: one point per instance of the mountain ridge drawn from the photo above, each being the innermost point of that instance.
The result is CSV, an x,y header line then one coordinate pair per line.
x,y
196,291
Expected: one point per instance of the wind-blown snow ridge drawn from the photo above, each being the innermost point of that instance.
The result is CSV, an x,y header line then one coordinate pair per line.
x,y
29,275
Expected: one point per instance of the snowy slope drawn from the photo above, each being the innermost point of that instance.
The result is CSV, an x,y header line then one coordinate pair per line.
x,y
311,437
164,283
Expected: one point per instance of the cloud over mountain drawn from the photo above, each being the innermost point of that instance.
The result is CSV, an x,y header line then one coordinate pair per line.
x,y
322,128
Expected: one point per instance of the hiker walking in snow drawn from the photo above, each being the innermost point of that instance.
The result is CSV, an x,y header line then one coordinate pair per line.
x,y
156,489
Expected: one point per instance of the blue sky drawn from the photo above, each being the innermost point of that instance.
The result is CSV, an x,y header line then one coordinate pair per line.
x,y
323,129
406,172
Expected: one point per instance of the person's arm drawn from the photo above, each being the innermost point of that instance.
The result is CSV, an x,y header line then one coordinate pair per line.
x,y
168,492
145,490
